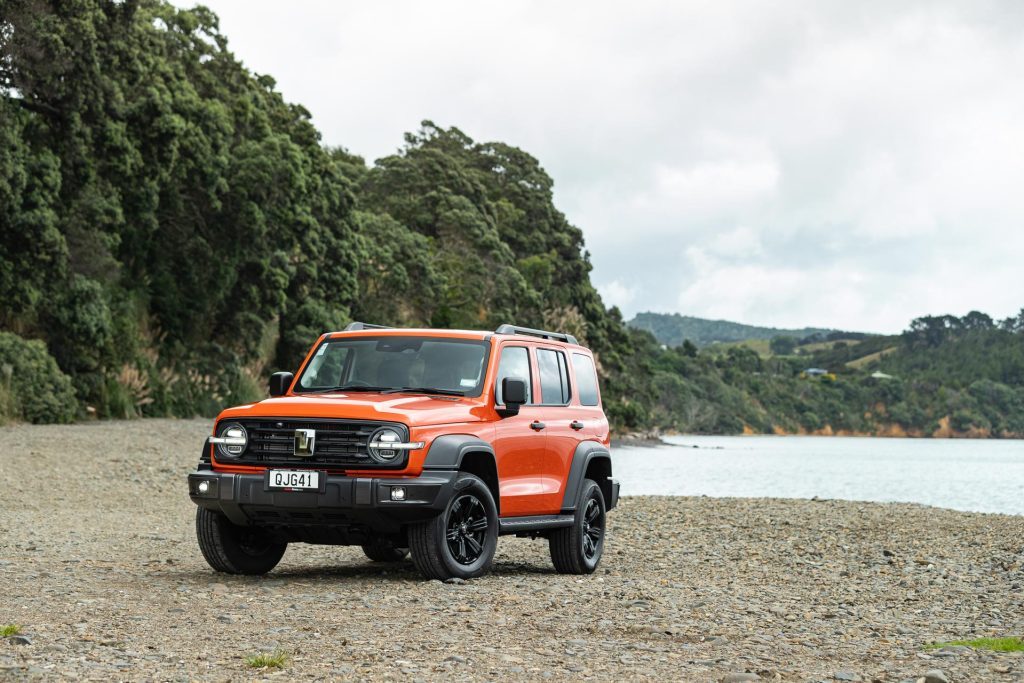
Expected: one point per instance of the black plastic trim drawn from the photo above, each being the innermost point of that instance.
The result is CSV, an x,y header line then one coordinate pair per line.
x,y
518,525
586,452
367,499
446,452
204,456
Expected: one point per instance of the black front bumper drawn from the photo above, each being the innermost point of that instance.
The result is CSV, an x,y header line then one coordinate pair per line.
x,y
351,506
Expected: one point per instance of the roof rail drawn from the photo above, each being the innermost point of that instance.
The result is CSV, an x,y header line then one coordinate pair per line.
x,y
543,334
356,326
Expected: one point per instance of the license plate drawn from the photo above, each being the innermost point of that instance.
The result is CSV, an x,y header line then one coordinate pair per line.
x,y
293,480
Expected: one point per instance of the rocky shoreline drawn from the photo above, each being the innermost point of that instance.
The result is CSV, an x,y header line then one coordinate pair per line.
x,y
100,569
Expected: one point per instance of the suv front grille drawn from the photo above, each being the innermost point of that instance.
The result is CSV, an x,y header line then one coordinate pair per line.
x,y
338,443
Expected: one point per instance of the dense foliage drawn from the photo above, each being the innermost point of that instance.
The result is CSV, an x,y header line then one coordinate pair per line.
x,y
944,376
171,231
672,329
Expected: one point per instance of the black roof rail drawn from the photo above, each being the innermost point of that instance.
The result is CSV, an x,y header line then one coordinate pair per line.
x,y
543,334
356,326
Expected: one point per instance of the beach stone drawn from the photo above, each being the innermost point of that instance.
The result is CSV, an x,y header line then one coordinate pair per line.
x,y
935,676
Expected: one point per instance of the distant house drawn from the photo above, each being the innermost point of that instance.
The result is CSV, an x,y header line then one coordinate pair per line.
x,y
815,372
878,374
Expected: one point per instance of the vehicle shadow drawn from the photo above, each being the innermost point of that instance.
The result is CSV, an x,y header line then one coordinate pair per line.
x,y
403,571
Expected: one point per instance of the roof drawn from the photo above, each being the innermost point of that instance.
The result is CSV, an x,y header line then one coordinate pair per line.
x,y
504,331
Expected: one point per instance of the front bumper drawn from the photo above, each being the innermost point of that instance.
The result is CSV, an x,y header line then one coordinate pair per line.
x,y
358,503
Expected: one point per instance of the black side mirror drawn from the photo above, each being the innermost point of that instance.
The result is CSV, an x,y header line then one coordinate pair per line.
x,y
513,393
279,383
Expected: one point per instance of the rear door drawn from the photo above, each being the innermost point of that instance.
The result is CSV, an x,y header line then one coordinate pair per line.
x,y
589,415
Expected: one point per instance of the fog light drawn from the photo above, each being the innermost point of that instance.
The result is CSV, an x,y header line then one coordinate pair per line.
x,y
204,486
397,493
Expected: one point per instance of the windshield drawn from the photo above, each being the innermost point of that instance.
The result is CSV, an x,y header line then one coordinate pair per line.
x,y
423,364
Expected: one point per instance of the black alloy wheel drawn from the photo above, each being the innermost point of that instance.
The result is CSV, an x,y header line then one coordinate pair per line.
x,y
466,529
461,540
593,529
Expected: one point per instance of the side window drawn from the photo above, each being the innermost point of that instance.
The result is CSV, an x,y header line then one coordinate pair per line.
x,y
515,363
554,377
586,379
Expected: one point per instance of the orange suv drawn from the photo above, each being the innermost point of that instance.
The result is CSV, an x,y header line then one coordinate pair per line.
x,y
429,441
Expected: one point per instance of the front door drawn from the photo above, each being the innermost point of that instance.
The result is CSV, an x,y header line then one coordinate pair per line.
x,y
561,422
520,443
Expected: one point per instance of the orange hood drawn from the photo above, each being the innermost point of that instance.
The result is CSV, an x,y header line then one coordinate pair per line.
x,y
414,410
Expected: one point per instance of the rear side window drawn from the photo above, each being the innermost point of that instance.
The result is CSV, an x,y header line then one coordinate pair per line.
x,y
586,379
515,363
554,377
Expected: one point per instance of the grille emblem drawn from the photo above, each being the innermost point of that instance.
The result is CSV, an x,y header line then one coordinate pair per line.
x,y
305,440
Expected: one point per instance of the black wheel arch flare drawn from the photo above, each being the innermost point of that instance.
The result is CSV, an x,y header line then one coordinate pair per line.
x,y
466,453
593,458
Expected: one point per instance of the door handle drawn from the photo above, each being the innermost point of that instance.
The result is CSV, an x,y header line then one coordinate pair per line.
x,y
537,426
576,424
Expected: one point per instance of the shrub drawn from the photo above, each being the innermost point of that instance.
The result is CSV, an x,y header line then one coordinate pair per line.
x,y
33,387
963,420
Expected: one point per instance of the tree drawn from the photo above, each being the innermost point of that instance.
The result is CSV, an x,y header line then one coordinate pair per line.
x,y
782,346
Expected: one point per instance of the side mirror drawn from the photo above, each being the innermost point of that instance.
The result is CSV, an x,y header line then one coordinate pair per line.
x,y
513,393
279,383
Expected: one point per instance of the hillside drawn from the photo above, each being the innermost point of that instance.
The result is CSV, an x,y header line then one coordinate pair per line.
x,y
172,231
672,329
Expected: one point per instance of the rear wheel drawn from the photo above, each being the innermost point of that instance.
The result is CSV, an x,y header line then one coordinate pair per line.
x,y
577,549
383,550
460,542
236,549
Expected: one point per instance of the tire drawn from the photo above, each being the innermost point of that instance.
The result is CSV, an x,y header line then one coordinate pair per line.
x,y
236,549
460,542
577,549
383,550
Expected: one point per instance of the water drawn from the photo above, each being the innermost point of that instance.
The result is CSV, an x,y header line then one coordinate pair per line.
x,y
974,475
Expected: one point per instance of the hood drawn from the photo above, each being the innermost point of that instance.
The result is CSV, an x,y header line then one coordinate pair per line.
x,y
414,410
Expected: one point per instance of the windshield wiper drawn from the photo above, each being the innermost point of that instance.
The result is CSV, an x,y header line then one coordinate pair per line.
x,y
346,387
424,390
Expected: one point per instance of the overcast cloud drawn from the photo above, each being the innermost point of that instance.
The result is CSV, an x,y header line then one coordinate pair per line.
x,y
845,164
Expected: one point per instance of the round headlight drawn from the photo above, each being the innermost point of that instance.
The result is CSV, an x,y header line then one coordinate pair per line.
x,y
235,440
379,450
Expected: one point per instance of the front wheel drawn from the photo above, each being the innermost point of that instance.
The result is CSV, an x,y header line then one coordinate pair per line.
x,y
460,542
577,549
236,549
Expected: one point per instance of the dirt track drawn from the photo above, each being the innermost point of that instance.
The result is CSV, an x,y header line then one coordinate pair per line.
x,y
99,566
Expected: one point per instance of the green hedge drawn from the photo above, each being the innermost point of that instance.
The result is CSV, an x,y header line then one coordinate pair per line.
x,y
32,387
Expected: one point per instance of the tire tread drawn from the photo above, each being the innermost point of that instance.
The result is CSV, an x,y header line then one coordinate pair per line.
x,y
212,530
565,544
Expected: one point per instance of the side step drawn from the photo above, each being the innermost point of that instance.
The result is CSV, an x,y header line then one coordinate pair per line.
x,y
520,525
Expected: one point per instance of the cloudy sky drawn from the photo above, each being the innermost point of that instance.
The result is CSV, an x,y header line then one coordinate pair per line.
x,y
844,164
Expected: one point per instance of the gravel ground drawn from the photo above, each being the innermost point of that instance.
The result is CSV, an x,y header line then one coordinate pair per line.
x,y
99,566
